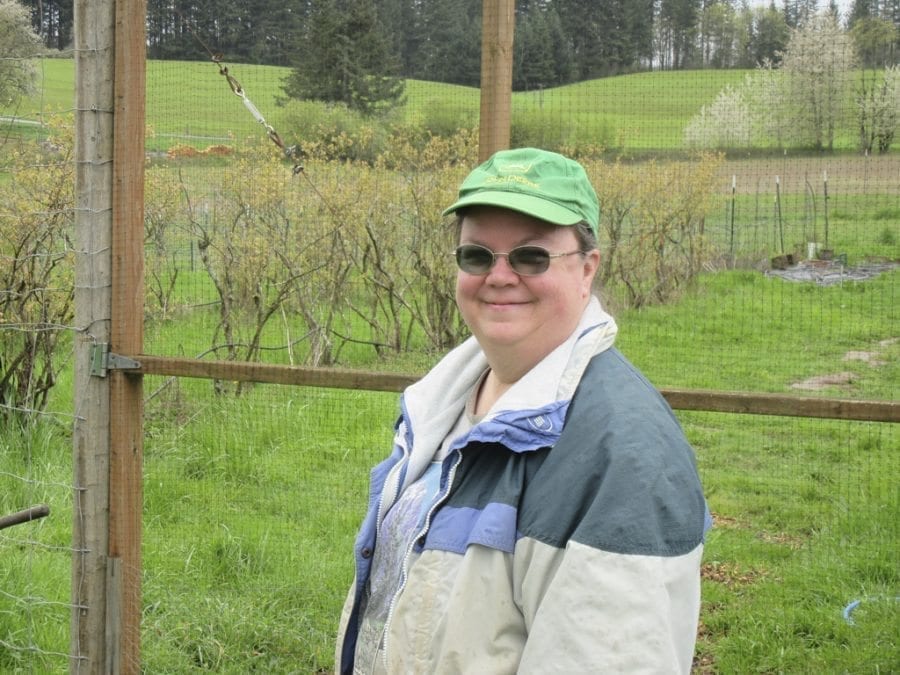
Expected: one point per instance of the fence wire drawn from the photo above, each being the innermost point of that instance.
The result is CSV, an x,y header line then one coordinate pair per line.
x,y
735,257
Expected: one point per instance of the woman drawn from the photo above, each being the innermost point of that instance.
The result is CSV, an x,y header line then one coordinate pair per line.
x,y
541,510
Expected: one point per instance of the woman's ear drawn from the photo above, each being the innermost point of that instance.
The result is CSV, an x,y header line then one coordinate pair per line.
x,y
590,267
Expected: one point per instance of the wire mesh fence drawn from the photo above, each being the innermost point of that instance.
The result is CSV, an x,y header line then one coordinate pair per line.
x,y
736,256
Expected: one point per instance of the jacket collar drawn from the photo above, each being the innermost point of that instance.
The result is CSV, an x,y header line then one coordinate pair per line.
x,y
432,405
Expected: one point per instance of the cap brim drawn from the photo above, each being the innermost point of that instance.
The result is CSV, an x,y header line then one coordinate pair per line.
x,y
527,204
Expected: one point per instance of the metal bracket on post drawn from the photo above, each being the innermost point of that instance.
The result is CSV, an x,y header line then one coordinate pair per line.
x,y
102,360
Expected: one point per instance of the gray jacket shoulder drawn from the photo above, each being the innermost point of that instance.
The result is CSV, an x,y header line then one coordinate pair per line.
x,y
622,477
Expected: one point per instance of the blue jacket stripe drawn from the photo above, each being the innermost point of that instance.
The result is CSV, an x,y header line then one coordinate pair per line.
x,y
455,528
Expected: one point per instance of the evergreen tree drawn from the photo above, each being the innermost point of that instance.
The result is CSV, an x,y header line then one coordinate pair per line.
x,y
859,9
639,16
52,21
876,41
833,9
805,10
579,20
718,35
677,26
345,57
403,22
450,47
769,37
269,31
626,33
561,46
542,55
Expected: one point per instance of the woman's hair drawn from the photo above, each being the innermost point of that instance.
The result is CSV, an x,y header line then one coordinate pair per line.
x,y
583,232
587,241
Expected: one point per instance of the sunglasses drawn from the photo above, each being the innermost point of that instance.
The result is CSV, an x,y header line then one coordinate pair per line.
x,y
527,261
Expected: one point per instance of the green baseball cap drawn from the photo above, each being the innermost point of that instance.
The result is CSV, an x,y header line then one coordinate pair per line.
x,y
539,183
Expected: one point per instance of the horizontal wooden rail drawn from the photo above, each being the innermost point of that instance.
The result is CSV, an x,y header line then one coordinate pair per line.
x,y
34,513
679,399
242,371
780,404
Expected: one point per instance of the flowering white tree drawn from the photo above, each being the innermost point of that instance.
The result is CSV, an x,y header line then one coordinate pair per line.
x,y
767,96
724,123
802,101
878,91
878,102
18,44
817,67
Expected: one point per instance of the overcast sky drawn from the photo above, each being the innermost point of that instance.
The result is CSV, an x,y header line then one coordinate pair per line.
x,y
843,5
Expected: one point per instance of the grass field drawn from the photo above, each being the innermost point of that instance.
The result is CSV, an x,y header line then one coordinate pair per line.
x,y
190,102
250,504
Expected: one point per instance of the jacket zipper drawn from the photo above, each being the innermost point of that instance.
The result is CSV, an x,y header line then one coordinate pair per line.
x,y
405,570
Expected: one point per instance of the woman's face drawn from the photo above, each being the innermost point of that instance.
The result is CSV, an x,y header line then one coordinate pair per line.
x,y
530,314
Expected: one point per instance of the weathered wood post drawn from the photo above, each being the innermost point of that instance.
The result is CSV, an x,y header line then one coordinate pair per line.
x,y
107,434
498,23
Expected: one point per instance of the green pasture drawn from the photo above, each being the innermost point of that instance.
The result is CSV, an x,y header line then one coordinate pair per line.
x,y
629,112
190,102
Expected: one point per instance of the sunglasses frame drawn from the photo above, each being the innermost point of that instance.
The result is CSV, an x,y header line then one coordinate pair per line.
x,y
510,258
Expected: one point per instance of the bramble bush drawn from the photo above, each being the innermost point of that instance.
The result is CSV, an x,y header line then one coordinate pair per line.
x,y
652,221
36,269
352,252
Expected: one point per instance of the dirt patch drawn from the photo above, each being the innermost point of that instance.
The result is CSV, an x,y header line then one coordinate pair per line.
x,y
729,575
866,357
845,379
704,664
831,272
818,382
847,174
726,522
782,539
730,523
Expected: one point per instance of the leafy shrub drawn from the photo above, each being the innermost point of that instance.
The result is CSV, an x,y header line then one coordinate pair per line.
x,y
351,251
334,131
440,120
538,129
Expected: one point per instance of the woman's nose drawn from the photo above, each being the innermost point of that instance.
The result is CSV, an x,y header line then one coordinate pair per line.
x,y
501,270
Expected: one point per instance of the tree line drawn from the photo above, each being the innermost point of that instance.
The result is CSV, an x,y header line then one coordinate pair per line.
x,y
557,41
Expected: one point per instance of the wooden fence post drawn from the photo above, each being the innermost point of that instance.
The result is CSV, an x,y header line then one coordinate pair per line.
x,y
107,434
498,22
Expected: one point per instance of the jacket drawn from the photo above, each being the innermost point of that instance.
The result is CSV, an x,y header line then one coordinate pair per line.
x,y
568,528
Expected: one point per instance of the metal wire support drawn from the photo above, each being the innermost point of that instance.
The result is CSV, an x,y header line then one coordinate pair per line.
x,y
239,91
217,58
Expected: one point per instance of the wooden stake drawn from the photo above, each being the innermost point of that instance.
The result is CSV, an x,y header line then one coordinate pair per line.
x,y
498,22
94,38
109,154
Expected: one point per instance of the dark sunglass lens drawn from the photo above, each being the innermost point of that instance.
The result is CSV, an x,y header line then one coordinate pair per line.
x,y
474,259
529,260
